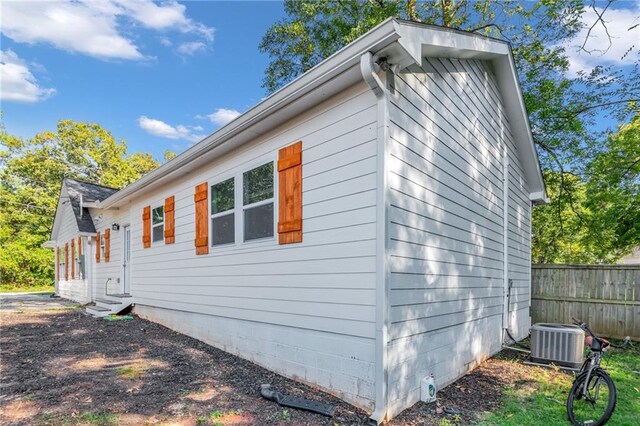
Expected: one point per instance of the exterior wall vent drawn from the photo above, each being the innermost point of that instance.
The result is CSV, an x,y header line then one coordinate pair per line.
x,y
560,344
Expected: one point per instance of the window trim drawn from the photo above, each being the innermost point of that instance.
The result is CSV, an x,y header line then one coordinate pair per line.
x,y
271,200
153,207
233,210
102,245
61,263
237,173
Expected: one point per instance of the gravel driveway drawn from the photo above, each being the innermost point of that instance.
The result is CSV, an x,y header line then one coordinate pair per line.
x,y
32,302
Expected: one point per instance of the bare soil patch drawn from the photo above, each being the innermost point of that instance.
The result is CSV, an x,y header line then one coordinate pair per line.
x,y
63,367
66,368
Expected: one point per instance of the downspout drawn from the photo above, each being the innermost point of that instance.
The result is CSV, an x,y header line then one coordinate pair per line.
x,y
505,238
369,73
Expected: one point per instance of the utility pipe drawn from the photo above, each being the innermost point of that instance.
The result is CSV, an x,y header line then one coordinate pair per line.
x,y
369,72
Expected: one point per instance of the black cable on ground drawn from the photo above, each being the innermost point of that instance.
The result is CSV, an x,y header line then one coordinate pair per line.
x,y
515,342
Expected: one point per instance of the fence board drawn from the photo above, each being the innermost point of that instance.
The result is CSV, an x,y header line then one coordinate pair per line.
x,y
606,296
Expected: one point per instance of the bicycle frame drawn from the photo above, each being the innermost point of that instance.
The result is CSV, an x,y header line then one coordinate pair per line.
x,y
593,362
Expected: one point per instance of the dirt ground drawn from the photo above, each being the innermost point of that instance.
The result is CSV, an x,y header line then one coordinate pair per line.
x,y
60,366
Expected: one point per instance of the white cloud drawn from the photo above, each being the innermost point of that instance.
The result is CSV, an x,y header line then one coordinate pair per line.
x,y
191,48
93,27
618,22
168,15
221,116
164,130
17,83
165,42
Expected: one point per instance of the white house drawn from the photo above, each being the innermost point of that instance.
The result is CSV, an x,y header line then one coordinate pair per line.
x,y
364,227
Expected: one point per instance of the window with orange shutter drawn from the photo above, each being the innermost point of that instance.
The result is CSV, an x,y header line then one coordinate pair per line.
x,y
257,201
223,228
146,227
169,220
202,218
98,245
290,194
107,244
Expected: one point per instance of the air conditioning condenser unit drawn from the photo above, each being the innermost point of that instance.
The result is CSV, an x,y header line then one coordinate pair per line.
x,y
559,344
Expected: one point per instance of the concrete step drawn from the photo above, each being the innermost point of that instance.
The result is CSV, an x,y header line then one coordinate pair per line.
x,y
98,311
104,307
107,301
120,295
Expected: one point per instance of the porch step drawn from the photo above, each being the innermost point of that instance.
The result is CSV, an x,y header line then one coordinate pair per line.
x,y
120,295
97,311
106,307
107,302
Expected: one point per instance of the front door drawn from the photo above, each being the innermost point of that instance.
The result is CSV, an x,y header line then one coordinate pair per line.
x,y
126,265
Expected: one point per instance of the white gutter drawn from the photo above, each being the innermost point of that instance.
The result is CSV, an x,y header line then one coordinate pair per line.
x,y
413,42
368,70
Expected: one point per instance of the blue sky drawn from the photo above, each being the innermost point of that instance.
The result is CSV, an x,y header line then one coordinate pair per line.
x,y
162,75
158,79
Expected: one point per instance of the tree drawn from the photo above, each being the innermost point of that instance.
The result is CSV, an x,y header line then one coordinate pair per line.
x,y
31,172
564,111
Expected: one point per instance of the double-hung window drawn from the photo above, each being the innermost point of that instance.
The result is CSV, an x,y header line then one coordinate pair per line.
x,y
257,200
157,224
61,262
223,213
102,242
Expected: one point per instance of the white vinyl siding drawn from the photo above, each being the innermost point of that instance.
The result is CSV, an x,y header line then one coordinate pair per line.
x,y
447,133
107,276
324,286
76,288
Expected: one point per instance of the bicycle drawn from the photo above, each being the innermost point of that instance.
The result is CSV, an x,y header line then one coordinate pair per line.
x,y
593,396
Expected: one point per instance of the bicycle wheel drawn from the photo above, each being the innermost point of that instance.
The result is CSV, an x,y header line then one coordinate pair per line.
x,y
595,407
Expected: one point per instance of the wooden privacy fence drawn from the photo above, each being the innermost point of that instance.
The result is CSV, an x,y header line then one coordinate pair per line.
x,y
605,296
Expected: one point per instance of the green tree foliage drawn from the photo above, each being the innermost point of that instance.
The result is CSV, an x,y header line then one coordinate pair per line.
x,y
563,110
31,172
597,220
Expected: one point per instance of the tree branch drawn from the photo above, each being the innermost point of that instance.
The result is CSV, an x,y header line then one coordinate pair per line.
x,y
599,19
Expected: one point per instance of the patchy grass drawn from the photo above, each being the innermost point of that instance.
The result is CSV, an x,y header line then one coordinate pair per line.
x,y
64,308
132,373
14,288
137,367
84,419
542,394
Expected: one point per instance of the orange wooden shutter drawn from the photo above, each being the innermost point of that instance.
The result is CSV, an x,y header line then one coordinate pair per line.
x,y
73,259
290,194
66,261
98,247
146,227
107,244
202,218
169,220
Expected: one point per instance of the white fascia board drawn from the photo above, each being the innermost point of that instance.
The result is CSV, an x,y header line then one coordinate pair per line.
x,y
507,78
421,40
48,244
57,218
333,68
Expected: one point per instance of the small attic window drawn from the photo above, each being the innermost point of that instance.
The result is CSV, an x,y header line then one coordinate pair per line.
x,y
157,224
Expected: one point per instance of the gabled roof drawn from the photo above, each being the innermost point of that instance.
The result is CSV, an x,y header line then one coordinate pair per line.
x,y
401,43
77,191
90,192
